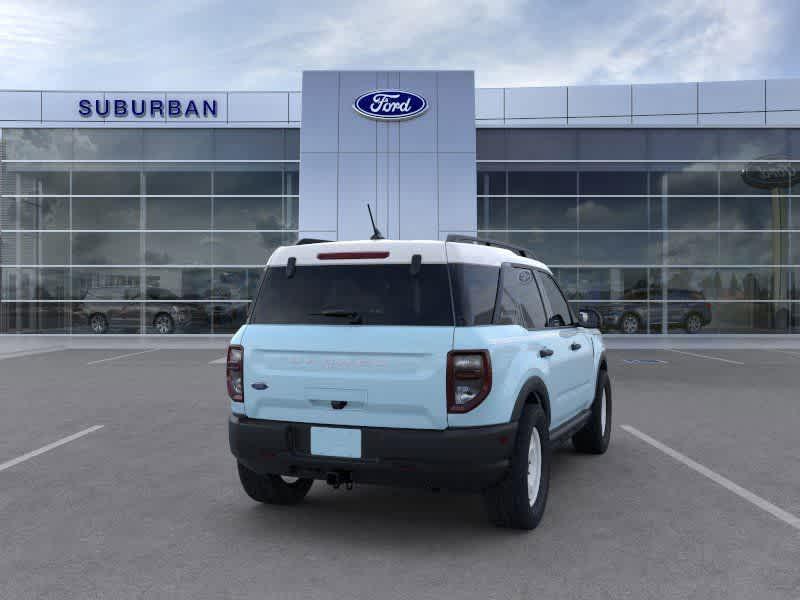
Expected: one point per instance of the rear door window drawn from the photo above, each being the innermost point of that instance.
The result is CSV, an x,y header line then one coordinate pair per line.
x,y
355,295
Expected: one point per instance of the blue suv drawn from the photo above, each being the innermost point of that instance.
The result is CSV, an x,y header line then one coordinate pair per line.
x,y
451,364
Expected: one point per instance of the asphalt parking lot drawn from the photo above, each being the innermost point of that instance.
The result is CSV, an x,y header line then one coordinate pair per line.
x,y
697,497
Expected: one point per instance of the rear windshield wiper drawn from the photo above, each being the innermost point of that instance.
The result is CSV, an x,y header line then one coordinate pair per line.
x,y
355,317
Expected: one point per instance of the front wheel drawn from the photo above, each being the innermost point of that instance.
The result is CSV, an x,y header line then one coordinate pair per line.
x,y
164,324
693,323
595,436
519,500
273,489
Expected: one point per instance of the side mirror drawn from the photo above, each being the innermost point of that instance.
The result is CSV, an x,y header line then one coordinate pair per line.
x,y
589,318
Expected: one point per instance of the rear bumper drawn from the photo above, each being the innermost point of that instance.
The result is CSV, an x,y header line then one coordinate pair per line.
x,y
472,458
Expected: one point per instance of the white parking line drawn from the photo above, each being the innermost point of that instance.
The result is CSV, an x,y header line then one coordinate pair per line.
x,y
796,354
94,362
30,352
43,449
219,361
729,485
727,360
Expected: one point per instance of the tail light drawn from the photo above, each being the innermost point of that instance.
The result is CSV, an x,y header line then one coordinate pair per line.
x,y
469,379
234,373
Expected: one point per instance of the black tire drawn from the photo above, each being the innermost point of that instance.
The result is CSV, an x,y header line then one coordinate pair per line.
x,y
272,489
630,323
594,437
693,323
508,503
98,323
163,324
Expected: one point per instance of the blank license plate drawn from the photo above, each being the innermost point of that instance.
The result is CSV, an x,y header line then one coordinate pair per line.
x,y
333,441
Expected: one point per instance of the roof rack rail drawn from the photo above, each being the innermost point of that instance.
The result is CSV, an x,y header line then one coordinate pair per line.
x,y
466,239
304,241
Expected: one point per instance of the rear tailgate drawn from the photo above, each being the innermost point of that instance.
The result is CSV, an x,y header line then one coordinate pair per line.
x,y
351,333
371,376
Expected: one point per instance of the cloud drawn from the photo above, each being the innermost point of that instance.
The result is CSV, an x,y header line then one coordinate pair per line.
x,y
210,44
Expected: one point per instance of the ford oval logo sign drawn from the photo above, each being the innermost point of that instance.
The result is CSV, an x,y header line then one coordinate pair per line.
x,y
390,105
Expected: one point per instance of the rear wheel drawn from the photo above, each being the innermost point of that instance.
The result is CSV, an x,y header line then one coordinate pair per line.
x,y
596,434
273,489
519,500
98,323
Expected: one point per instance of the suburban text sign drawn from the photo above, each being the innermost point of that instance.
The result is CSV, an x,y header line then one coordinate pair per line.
x,y
152,108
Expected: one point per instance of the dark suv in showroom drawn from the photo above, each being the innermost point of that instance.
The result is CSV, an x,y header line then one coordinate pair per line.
x,y
102,315
688,309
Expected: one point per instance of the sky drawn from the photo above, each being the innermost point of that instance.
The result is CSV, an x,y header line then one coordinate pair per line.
x,y
206,45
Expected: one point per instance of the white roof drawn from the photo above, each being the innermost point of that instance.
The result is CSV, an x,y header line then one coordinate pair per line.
x,y
399,251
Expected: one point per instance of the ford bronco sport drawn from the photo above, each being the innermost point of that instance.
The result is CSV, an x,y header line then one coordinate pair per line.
x,y
451,364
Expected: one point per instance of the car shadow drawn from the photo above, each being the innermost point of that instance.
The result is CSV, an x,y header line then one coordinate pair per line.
x,y
401,516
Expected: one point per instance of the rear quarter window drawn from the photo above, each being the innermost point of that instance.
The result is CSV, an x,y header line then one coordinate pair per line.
x,y
474,293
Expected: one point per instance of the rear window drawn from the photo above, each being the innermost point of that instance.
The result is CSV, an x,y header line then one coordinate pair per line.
x,y
355,294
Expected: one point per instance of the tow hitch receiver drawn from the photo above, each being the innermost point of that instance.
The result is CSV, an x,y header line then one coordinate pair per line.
x,y
336,478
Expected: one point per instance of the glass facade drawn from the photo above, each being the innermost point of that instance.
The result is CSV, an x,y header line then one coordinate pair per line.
x,y
131,230
658,230
140,230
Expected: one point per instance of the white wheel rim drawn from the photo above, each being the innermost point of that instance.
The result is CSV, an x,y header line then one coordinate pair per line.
x,y
534,466
694,323
603,412
289,479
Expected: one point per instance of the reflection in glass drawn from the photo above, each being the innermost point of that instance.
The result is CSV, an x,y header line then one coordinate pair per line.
x,y
106,283
178,248
104,248
95,316
105,213
178,213
177,183
235,284
185,284
41,212
240,183
227,317
623,248
613,284
753,248
32,317
175,316
248,248
99,183
691,248
253,213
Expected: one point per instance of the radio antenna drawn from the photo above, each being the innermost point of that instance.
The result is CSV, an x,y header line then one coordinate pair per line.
x,y
376,233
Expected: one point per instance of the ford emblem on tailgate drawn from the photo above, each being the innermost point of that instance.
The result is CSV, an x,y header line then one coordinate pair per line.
x,y
390,105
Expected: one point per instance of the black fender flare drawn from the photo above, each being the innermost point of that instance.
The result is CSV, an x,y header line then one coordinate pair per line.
x,y
533,387
602,363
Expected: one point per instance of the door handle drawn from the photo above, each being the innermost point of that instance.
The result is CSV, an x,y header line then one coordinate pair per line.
x,y
575,346
545,352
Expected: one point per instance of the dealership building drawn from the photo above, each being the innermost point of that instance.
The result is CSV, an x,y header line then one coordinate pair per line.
x,y
668,208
